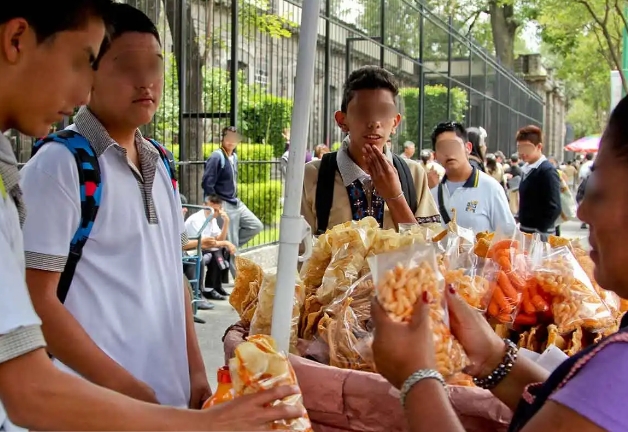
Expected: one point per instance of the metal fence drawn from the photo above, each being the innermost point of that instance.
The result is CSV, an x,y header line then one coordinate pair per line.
x,y
233,62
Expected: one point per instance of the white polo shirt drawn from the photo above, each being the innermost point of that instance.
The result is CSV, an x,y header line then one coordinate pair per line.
x,y
127,292
195,222
480,203
20,327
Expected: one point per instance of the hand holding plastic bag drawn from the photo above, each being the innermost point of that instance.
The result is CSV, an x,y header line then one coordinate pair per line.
x,y
401,279
259,366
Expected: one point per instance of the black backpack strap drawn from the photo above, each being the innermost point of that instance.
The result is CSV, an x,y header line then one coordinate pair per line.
x,y
90,191
441,205
325,190
407,183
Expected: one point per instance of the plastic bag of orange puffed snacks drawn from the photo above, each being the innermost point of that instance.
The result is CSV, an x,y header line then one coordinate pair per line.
x,y
401,277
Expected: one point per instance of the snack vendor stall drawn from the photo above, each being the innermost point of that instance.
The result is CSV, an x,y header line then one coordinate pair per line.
x,y
539,295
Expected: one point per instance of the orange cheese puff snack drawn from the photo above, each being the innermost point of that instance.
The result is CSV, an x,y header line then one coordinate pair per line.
x,y
475,290
403,276
259,366
575,301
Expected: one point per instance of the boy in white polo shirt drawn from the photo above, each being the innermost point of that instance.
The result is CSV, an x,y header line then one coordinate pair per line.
x,y
479,200
47,50
126,311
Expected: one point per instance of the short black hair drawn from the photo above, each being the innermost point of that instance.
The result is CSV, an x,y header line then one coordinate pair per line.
x,y
123,18
449,126
589,156
368,78
49,17
514,158
214,199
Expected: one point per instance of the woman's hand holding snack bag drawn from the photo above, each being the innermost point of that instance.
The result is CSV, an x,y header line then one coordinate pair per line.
x,y
405,278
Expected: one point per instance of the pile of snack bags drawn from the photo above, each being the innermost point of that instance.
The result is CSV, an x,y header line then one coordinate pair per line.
x,y
535,293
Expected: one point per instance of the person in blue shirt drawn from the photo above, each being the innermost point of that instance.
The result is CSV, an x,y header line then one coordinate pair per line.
x,y
220,178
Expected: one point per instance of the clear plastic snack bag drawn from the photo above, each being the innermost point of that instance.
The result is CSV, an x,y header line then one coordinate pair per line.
x,y
575,302
349,246
259,366
507,271
401,279
348,340
263,315
469,282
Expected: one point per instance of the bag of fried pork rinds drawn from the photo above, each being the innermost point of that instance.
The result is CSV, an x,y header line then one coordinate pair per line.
x,y
257,366
401,277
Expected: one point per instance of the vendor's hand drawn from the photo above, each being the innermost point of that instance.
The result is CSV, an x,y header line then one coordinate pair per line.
x,y
483,347
208,242
400,349
383,173
252,412
432,178
200,390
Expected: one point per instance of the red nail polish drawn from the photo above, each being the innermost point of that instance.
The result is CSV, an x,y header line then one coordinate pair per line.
x,y
452,289
426,297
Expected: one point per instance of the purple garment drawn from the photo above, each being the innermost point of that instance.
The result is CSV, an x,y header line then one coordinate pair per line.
x,y
308,156
600,390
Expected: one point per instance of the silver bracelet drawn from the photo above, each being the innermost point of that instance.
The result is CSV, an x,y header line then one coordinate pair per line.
x,y
415,378
394,198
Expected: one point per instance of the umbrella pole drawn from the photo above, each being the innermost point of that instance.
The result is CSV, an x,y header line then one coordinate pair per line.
x,y
292,226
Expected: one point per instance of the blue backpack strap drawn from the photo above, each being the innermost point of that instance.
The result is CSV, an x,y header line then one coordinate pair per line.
x,y
90,191
168,159
222,157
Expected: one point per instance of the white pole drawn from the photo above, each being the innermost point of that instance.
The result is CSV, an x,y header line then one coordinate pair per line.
x,y
291,228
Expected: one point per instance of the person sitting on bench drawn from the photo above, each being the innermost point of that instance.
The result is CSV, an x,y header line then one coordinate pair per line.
x,y
216,257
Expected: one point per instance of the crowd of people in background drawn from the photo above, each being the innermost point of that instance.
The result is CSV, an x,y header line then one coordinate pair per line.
x,y
520,175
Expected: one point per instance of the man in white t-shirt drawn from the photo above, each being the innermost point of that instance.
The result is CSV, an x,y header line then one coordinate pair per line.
x,y
479,200
216,258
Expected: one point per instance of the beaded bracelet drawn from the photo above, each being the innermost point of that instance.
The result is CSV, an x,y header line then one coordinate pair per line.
x,y
415,378
503,369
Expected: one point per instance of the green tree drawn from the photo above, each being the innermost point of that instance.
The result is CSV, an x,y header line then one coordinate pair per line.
x,y
494,24
582,60
596,24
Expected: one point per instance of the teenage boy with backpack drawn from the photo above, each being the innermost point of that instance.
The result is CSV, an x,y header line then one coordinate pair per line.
x,y
364,178
47,56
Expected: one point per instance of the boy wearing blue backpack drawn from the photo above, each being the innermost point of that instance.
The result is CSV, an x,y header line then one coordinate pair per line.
x,y
47,54
113,204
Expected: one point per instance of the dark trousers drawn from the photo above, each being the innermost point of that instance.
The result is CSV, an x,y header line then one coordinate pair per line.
x,y
211,272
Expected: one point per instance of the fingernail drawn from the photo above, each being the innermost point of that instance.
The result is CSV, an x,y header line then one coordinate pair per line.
x,y
426,297
451,289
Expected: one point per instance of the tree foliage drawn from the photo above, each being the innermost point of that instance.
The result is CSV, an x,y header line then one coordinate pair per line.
x,y
582,39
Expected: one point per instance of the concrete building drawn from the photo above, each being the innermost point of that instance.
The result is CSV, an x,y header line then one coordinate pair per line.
x,y
542,80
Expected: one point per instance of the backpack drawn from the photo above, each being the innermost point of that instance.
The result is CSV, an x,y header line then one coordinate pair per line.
x,y
223,158
325,187
90,191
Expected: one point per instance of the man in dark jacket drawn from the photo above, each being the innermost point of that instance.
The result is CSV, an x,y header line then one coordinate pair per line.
x,y
220,178
539,190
